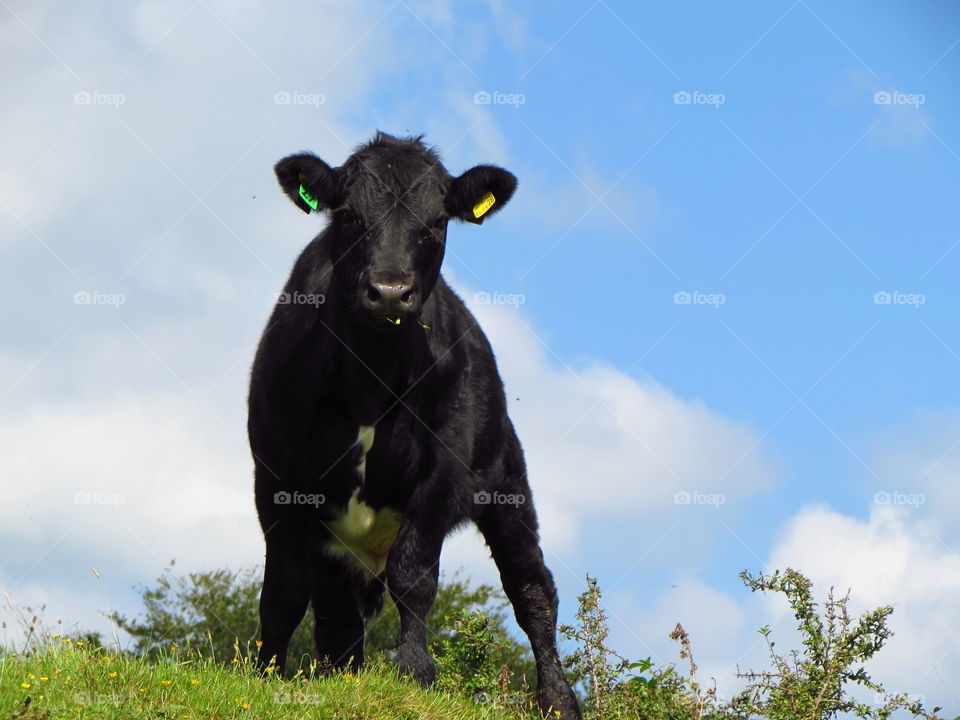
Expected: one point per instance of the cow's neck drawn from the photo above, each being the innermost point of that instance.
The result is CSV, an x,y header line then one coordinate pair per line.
x,y
377,370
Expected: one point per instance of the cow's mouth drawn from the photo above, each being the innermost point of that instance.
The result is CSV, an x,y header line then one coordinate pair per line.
x,y
386,323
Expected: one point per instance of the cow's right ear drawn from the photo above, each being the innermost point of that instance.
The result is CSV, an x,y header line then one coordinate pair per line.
x,y
310,183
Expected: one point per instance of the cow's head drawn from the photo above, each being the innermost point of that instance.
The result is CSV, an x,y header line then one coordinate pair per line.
x,y
389,205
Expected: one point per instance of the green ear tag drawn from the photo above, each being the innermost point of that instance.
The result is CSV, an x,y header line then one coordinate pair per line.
x,y
308,198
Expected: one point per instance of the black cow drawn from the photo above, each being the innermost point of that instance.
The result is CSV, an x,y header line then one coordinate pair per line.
x,y
377,417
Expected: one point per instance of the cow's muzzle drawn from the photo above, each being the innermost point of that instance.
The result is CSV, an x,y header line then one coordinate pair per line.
x,y
389,298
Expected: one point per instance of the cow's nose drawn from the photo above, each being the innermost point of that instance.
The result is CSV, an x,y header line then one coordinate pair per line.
x,y
393,297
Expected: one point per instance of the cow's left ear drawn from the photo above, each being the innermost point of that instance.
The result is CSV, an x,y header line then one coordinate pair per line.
x,y
310,183
479,193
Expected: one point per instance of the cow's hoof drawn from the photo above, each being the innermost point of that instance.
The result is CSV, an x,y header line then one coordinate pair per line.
x,y
417,664
560,699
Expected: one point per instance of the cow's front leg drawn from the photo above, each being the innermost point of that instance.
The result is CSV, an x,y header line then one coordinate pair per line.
x,y
413,569
286,591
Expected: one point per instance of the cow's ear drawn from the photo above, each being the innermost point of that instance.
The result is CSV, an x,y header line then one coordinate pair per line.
x,y
479,193
310,182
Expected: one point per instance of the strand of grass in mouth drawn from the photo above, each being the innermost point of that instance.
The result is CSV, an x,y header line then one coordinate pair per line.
x,y
397,321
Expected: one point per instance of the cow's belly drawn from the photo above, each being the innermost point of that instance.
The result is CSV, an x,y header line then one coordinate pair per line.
x,y
363,536
360,534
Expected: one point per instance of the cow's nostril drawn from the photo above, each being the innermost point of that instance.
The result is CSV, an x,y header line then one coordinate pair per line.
x,y
372,293
407,295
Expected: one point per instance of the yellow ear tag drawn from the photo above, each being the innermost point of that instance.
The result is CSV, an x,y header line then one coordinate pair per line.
x,y
486,202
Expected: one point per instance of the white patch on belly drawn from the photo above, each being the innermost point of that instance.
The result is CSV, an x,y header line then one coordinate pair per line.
x,y
363,535
365,441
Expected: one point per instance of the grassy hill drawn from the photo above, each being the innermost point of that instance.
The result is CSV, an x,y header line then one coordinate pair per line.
x,y
66,681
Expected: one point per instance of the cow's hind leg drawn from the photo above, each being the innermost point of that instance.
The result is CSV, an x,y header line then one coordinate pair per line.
x,y
511,533
336,596
286,592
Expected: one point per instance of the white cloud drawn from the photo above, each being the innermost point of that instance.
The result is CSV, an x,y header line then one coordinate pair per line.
x,y
166,473
891,558
133,401
605,443
919,459
899,111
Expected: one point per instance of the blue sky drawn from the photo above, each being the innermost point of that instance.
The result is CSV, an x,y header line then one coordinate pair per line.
x,y
815,165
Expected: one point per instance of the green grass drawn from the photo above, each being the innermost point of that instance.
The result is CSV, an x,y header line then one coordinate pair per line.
x,y
62,680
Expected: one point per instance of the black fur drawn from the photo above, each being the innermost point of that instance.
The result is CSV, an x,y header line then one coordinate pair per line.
x,y
389,346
